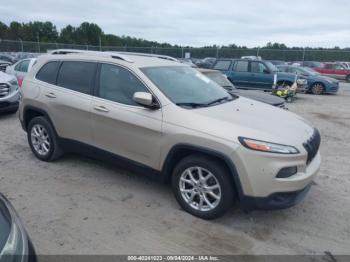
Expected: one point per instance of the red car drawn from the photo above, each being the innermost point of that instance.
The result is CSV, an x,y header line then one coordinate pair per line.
x,y
335,70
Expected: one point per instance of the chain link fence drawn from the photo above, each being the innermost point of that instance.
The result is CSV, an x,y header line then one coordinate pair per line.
x,y
321,55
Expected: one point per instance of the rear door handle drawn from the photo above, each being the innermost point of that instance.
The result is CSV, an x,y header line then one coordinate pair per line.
x,y
51,95
101,109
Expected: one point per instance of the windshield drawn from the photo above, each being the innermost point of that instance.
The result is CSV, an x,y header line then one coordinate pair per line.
x,y
220,79
185,85
271,66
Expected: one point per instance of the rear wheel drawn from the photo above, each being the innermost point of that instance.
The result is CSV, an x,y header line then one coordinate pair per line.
x,y
202,187
348,79
43,140
317,89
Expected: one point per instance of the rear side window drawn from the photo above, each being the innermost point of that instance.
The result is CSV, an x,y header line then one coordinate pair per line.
x,y
77,76
242,66
223,65
48,73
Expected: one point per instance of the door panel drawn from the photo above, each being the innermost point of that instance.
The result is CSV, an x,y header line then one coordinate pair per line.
x,y
128,131
260,79
120,125
241,76
70,112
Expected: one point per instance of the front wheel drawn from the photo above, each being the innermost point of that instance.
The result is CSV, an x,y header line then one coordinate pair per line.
x,y
317,89
203,187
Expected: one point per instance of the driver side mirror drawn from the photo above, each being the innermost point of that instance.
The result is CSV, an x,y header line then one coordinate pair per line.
x,y
145,99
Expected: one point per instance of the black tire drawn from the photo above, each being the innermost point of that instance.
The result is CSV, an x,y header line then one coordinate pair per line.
x,y
348,79
222,177
317,89
55,150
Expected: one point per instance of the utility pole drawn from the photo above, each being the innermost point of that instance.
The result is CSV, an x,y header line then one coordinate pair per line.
x,y
37,37
99,40
21,44
304,54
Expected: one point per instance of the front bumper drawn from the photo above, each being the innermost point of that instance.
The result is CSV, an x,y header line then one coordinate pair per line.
x,y
10,102
332,88
259,185
275,201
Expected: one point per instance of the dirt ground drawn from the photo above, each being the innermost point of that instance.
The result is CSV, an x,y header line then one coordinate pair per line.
x,y
82,206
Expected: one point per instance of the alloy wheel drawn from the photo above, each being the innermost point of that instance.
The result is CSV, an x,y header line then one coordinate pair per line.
x,y
40,139
200,189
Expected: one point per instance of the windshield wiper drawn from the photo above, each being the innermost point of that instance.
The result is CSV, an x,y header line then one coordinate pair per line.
x,y
226,98
193,105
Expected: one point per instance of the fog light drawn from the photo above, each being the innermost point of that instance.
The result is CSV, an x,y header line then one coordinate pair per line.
x,y
287,172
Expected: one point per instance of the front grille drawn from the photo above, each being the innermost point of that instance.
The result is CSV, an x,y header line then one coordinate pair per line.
x,y
3,67
312,145
4,90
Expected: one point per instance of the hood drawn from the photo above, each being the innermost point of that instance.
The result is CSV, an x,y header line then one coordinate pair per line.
x,y
332,80
4,78
259,96
244,117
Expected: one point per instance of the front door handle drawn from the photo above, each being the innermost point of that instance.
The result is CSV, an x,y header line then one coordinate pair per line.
x,y
101,109
51,95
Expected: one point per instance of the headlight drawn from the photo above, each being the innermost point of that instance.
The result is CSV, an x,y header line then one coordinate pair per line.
x,y
13,82
263,146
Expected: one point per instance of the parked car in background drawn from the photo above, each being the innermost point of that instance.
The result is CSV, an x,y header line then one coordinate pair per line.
x,y
207,62
21,69
317,84
311,64
335,70
4,65
7,58
256,74
260,96
165,118
277,62
188,61
9,93
15,244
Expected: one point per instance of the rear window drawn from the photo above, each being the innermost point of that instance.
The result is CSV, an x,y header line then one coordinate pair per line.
x,y
48,72
77,76
222,65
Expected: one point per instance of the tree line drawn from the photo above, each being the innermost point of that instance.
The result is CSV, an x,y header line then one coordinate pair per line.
x,y
90,34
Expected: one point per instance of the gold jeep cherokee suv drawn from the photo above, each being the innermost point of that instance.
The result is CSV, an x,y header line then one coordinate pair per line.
x,y
165,118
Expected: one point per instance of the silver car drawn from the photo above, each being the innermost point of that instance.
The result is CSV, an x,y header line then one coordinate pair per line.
x,y
165,118
9,93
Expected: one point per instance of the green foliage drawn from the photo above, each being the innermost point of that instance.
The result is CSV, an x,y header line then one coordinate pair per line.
x,y
88,35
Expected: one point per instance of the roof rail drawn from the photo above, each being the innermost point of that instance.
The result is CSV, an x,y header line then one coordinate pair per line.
x,y
117,55
149,55
96,53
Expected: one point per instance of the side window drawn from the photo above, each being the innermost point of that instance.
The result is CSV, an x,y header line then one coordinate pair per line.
x,y
118,84
339,67
257,67
77,76
24,66
48,73
18,66
222,65
242,66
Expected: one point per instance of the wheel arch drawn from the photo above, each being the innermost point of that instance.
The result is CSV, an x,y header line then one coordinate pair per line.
x,y
180,151
30,112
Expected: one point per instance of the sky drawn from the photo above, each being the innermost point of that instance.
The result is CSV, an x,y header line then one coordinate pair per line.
x,y
302,23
